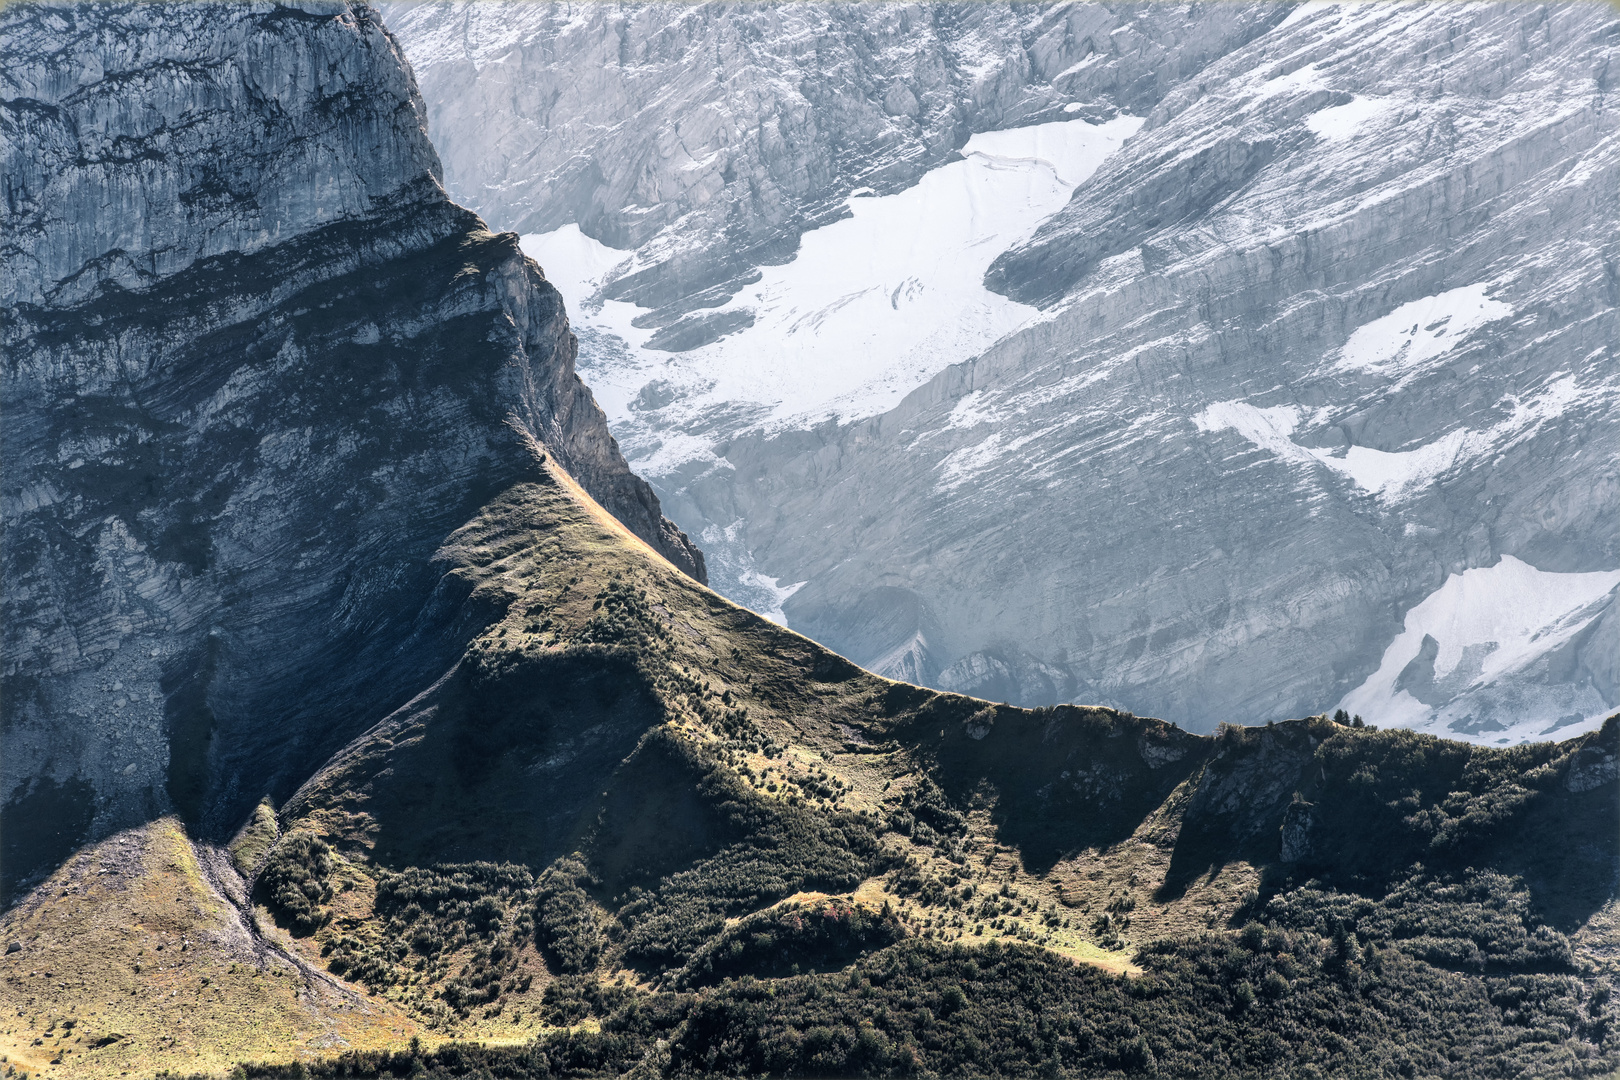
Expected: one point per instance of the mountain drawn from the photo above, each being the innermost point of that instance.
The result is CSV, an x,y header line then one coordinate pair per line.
x,y
710,138
1244,361
258,367
448,764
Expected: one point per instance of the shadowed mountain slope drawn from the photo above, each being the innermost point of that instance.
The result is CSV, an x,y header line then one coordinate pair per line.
x,y
258,366
384,746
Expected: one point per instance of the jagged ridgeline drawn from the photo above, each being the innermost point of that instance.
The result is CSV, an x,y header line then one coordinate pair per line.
x,y
348,733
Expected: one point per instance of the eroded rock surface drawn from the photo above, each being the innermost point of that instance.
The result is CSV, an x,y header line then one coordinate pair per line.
x,y
1319,365
258,367
710,137
1336,327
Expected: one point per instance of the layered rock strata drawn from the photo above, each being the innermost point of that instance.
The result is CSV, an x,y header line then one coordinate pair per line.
x,y
710,137
1315,401
257,367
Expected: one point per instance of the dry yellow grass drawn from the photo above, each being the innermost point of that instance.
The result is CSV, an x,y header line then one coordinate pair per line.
x,y
133,960
142,942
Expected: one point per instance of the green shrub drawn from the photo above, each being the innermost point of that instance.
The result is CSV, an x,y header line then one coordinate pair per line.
x,y
624,617
295,883
565,925
788,850
428,913
1480,921
790,940
571,998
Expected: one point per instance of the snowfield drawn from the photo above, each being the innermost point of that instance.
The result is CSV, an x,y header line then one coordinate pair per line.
x,y
1398,475
1479,630
871,307
1414,335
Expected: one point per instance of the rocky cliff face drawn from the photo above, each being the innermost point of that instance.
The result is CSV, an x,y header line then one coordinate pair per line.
x,y
1304,398
1321,408
259,494
710,137
258,367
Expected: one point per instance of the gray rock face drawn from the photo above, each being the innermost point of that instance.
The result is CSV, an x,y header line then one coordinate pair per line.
x,y
258,366
1277,404
1320,364
710,137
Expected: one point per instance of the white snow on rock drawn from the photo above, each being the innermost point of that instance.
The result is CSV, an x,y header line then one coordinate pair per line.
x,y
1396,475
1409,338
779,594
731,564
1491,628
873,305
970,412
575,263
1299,81
1392,474
1342,122
1269,429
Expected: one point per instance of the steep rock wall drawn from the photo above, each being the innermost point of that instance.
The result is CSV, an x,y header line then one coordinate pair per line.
x,y
1314,393
257,368
1336,328
710,137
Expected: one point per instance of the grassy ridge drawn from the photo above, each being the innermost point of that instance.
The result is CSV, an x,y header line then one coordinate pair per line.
x,y
639,828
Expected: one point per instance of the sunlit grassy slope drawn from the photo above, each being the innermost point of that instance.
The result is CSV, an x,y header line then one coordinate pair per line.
x,y
631,797
133,959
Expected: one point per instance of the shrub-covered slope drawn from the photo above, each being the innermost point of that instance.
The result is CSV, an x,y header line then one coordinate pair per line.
x,y
552,795
636,826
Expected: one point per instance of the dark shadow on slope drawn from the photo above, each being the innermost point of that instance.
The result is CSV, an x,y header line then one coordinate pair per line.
x,y
499,762
1238,801
1566,844
1375,803
1063,778
40,827
681,844
1360,808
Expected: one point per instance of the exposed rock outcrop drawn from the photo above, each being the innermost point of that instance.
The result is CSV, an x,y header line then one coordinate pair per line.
x,y
710,137
258,367
1324,359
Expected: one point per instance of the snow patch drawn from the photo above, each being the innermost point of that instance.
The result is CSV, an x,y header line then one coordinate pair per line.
x,y
1393,475
970,412
732,571
1413,335
1486,629
1299,81
961,466
1341,122
1383,472
778,593
1268,429
873,306
670,450
575,263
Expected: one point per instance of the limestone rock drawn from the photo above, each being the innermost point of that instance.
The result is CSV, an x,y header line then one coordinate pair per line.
x,y
258,367
1319,363
710,137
